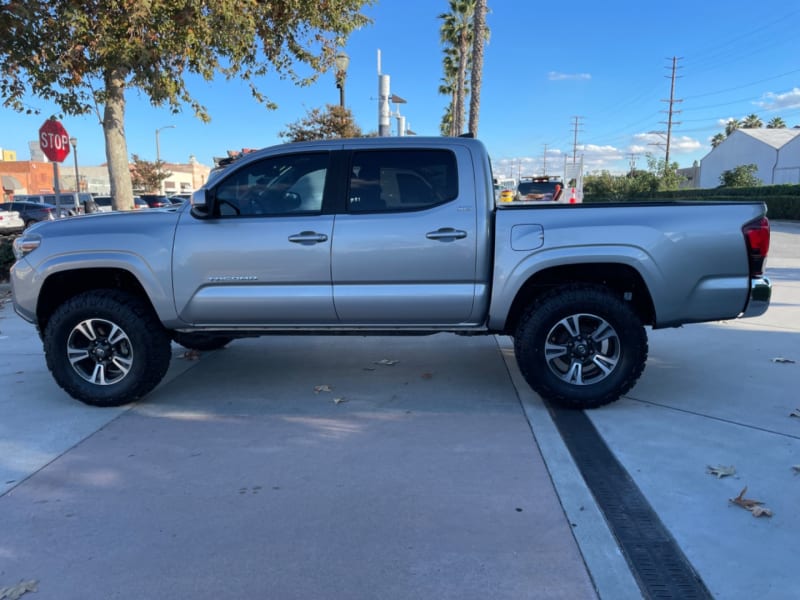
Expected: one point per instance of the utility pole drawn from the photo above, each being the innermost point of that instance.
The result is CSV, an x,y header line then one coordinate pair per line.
x,y
672,101
544,163
576,129
632,161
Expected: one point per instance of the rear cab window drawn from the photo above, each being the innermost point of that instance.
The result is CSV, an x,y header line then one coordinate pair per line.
x,y
401,180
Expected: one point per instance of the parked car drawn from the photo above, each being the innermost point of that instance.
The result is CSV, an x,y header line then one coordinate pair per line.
x,y
33,212
10,222
73,202
156,200
104,203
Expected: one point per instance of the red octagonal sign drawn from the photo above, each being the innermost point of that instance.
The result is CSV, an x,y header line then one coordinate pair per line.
x,y
54,140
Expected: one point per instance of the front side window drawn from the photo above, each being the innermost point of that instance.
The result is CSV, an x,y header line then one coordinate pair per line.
x,y
401,180
278,185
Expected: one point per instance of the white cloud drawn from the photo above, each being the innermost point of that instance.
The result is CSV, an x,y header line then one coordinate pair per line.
x,y
556,76
773,101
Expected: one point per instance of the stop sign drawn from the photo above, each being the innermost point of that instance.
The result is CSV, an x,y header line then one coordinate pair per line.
x,y
53,140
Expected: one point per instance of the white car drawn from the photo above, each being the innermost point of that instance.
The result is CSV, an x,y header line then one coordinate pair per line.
x,y
10,222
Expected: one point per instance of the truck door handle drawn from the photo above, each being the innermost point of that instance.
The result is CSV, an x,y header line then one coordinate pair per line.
x,y
307,238
446,234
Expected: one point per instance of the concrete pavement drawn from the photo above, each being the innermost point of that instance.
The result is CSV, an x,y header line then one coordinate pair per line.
x,y
235,479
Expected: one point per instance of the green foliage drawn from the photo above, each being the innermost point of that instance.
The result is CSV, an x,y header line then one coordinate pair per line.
x,y
616,188
147,176
741,176
332,122
6,257
783,201
65,51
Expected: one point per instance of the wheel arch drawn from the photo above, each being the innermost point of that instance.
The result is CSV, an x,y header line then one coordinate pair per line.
x,y
63,285
621,279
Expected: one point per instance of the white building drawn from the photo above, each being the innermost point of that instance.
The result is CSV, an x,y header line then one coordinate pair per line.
x,y
775,152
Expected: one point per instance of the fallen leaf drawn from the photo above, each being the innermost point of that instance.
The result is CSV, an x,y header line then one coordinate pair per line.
x,y
795,413
721,471
782,360
387,362
754,506
339,400
322,388
427,375
796,469
191,355
16,591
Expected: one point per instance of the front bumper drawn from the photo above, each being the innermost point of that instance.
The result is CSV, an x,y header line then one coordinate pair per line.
x,y
760,294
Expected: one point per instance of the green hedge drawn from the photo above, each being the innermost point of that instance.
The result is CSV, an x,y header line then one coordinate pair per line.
x,y
783,201
6,257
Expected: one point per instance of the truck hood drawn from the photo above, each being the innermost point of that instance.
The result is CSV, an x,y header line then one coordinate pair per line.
x,y
108,223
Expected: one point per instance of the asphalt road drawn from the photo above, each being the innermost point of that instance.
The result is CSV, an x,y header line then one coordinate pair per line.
x,y
439,476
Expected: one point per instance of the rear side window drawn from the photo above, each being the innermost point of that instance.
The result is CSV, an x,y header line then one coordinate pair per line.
x,y
401,180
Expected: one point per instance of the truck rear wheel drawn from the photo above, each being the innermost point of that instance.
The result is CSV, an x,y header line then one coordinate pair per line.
x,y
580,346
106,347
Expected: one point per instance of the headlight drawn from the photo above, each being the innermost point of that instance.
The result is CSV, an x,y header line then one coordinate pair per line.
x,y
26,244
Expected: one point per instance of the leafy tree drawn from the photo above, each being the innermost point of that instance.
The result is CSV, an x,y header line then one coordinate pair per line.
x,y
331,122
741,176
84,55
717,140
776,123
752,121
448,87
666,174
480,35
147,176
731,126
456,31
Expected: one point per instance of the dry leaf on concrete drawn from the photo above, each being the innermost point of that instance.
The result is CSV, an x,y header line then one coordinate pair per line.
x,y
795,413
191,355
796,469
386,362
322,388
16,591
339,400
721,471
754,506
782,360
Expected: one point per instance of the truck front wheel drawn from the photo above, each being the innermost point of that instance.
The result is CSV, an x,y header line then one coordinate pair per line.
x,y
106,347
580,346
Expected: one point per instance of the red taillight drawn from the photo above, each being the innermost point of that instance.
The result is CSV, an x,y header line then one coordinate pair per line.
x,y
756,236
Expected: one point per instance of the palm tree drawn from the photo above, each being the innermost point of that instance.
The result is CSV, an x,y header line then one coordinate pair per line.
x,y
752,121
717,140
480,33
731,126
448,88
456,31
776,123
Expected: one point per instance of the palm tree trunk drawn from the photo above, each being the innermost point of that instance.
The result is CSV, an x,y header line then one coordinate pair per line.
x,y
461,89
478,33
116,147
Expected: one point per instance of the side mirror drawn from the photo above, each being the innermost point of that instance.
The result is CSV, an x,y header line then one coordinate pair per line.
x,y
201,208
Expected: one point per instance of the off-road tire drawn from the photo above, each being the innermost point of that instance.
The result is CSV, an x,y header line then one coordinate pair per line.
x,y
204,342
576,307
144,343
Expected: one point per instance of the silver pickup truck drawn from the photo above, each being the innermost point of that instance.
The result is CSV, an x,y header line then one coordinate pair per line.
x,y
377,236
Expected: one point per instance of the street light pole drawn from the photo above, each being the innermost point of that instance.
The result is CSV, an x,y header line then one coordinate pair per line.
x,y
342,62
158,156
74,141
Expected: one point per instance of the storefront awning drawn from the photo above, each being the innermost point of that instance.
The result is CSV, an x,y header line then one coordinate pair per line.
x,y
11,183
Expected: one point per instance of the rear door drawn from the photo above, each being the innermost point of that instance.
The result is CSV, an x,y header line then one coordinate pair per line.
x,y
264,258
405,241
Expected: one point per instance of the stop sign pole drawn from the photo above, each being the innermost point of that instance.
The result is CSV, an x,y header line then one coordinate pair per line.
x,y
54,142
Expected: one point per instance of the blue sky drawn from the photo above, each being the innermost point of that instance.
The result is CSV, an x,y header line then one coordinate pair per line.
x,y
546,63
